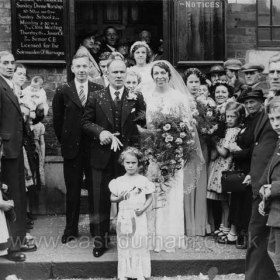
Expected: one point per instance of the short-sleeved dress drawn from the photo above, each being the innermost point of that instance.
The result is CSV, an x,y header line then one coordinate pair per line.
x,y
132,233
4,234
220,164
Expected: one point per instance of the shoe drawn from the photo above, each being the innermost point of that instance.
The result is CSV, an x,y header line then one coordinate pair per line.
x,y
67,238
30,216
98,252
29,222
28,227
28,247
225,239
16,257
241,242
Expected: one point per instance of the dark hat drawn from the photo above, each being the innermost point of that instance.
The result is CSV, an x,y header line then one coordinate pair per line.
x,y
250,93
85,34
252,67
217,69
233,64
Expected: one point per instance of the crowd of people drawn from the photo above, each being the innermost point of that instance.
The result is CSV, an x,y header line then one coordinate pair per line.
x,y
152,148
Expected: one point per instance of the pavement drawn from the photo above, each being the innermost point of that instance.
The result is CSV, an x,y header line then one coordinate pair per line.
x,y
54,260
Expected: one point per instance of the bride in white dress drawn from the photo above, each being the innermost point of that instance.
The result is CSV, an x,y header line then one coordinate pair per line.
x,y
170,95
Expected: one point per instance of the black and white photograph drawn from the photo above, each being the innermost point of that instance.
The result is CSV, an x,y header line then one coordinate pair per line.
x,y
139,140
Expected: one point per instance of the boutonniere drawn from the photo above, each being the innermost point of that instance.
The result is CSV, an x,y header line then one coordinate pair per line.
x,y
132,95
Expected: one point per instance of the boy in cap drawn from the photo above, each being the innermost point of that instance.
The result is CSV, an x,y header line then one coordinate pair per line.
x,y
232,66
217,72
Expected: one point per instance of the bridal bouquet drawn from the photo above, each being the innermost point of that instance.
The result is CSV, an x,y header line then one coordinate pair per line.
x,y
169,146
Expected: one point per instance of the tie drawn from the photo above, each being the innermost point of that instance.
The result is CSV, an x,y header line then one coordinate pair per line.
x,y
82,95
117,98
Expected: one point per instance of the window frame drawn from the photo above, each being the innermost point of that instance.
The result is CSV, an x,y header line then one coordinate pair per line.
x,y
266,43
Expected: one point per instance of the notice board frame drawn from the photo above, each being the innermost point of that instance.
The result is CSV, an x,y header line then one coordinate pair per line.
x,y
66,29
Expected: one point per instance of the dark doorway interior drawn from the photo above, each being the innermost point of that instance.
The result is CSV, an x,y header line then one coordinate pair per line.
x,y
129,17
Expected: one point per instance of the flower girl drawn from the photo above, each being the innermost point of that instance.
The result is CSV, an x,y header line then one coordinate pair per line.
x,y
133,192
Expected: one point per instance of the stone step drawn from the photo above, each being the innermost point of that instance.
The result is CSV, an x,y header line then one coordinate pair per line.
x,y
74,260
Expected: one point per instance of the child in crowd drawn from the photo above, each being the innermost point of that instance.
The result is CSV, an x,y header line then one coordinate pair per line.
x,y
36,95
221,160
271,190
133,79
204,95
133,192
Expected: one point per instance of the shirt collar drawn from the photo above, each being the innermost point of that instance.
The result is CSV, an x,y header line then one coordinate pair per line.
x,y
111,48
9,82
78,84
112,91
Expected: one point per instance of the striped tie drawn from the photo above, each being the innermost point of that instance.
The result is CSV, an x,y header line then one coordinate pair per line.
x,y
82,95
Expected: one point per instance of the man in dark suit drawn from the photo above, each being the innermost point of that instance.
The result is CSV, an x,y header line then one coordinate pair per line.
x,y
110,113
11,133
258,264
68,108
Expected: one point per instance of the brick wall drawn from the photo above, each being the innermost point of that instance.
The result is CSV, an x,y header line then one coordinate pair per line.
x,y
241,29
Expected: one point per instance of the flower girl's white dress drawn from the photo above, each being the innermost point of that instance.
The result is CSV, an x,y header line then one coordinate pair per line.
x,y
132,233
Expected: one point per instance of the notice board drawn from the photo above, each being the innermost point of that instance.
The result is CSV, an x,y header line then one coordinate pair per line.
x,y
38,30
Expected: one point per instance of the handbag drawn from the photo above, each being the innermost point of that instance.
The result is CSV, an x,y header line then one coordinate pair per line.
x,y
231,181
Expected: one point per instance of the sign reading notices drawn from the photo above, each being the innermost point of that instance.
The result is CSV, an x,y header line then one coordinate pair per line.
x,y
38,30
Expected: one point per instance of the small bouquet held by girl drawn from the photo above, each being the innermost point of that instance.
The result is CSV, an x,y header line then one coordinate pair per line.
x,y
206,117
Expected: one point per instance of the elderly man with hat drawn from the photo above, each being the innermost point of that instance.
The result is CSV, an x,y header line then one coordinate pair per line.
x,y
232,66
258,264
217,72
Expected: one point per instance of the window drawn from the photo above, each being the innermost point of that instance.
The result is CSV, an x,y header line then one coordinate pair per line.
x,y
268,23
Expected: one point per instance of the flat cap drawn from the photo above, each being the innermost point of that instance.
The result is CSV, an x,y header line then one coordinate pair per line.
x,y
252,67
233,64
217,69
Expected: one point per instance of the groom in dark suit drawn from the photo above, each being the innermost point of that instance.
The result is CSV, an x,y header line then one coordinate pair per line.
x,y
68,108
109,113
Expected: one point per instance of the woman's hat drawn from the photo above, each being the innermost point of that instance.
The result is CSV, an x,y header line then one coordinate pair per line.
x,y
250,93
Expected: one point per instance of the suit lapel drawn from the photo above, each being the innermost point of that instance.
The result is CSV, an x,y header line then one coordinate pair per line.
x,y
261,123
275,160
9,93
104,101
126,106
74,94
